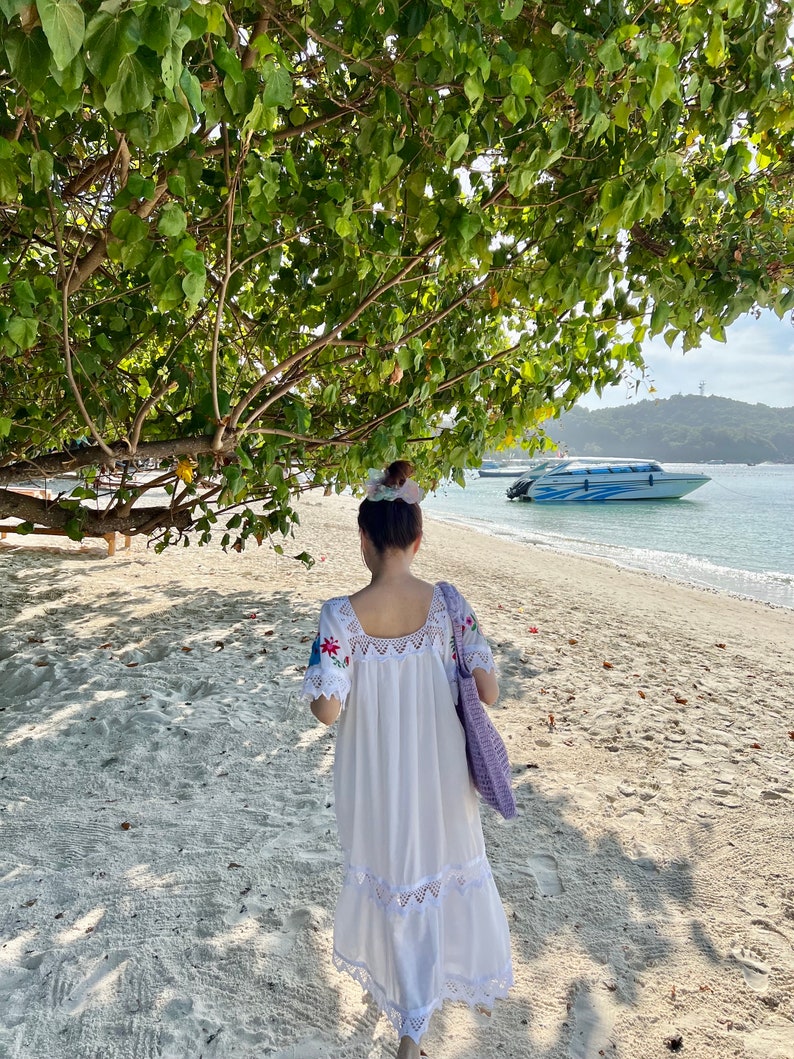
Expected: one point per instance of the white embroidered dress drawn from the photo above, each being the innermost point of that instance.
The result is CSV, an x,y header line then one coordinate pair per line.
x,y
419,919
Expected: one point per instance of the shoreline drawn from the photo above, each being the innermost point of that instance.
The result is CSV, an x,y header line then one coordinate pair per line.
x,y
602,560
169,859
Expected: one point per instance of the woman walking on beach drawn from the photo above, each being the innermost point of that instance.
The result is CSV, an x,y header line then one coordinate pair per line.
x,y
419,920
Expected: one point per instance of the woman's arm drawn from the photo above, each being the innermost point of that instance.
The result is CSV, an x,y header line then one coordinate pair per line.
x,y
326,709
487,685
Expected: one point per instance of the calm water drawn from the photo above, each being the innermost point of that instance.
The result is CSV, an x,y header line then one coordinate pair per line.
x,y
734,534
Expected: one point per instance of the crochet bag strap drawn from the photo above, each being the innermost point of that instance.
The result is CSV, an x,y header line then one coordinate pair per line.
x,y
453,600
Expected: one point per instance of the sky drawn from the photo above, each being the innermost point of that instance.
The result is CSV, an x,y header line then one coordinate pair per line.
x,y
755,365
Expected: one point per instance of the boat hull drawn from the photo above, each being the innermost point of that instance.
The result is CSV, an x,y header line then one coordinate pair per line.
x,y
594,489
587,480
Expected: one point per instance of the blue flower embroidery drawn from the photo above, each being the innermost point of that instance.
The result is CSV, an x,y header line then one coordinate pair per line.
x,y
314,660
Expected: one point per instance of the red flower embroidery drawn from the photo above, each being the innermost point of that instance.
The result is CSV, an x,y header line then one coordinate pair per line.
x,y
330,646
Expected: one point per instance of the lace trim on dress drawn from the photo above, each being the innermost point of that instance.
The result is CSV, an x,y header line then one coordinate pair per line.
x,y
432,633
319,680
478,657
481,992
427,892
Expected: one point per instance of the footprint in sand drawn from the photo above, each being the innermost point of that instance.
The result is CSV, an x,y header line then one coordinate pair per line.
x,y
592,1025
544,867
754,969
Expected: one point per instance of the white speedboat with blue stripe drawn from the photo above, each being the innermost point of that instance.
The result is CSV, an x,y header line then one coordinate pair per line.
x,y
584,479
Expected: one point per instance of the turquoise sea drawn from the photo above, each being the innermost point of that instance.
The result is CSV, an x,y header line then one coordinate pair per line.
x,y
735,534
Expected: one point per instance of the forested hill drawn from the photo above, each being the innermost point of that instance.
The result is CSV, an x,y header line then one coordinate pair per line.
x,y
683,429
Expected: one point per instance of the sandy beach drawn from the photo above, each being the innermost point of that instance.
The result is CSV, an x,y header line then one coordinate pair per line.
x,y
168,857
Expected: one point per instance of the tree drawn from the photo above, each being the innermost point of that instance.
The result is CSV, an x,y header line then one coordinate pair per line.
x,y
268,243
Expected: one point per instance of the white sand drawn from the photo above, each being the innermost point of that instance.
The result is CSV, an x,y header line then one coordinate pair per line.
x,y
168,861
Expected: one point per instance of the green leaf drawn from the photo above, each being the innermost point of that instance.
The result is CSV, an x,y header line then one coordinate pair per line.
x,y
278,87
172,125
512,9
610,56
5,426
64,26
22,331
172,220
132,89
665,86
108,39
41,168
157,27
193,285
177,186
715,47
228,62
129,227
457,148
29,56
191,86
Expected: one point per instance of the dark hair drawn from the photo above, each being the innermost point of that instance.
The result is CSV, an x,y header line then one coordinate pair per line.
x,y
391,523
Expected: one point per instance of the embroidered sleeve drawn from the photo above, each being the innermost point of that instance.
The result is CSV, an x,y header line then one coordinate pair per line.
x,y
476,652
328,672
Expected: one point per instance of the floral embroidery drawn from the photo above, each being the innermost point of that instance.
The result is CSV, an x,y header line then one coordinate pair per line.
x,y
471,623
330,646
342,663
314,658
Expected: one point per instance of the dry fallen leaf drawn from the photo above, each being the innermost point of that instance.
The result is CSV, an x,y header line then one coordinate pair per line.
x,y
755,746
572,642
679,699
608,665
131,665
126,825
722,645
233,864
187,650
551,720
791,735
641,694
104,646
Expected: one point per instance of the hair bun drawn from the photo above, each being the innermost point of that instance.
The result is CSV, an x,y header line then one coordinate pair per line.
x,y
397,473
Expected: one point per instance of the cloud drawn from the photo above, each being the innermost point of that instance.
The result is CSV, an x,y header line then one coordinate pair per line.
x,y
755,364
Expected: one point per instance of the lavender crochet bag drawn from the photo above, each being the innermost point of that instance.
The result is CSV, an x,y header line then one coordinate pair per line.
x,y
486,753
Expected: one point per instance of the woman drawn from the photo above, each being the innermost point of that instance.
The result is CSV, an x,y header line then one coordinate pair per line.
x,y
419,919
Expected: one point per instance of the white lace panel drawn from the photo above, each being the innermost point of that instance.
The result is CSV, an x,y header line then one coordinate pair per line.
x,y
433,633
478,656
321,680
425,892
480,993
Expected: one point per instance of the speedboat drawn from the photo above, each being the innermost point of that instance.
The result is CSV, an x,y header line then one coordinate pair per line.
x,y
591,478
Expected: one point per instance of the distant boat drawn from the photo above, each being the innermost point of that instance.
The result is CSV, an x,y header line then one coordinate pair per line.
x,y
593,479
